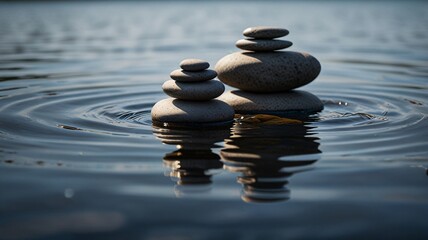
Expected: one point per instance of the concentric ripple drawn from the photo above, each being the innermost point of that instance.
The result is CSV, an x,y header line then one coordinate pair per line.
x,y
360,120
371,120
63,122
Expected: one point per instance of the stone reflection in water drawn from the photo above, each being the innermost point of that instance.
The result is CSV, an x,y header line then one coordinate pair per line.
x,y
266,156
193,163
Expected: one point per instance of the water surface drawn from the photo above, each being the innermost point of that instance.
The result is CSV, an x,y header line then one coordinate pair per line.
x,y
80,158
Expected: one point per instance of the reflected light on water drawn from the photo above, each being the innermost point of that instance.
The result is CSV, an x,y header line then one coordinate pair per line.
x,y
190,165
258,152
264,156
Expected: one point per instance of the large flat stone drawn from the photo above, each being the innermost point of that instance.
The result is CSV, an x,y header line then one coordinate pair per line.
x,y
292,101
182,111
267,71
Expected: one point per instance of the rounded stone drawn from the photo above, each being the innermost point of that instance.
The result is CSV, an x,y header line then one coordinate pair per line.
x,y
187,76
292,101
194,65
267,71
262,45
263,32
197,91
182,111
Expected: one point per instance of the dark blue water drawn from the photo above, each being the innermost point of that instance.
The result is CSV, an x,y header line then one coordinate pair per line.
x,y
79,158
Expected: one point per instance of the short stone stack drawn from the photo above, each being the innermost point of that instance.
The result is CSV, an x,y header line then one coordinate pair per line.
x,y
267,77
193,93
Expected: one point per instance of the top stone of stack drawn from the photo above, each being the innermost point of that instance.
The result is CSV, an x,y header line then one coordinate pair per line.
x,y
265,32
194,65
261,39
193,70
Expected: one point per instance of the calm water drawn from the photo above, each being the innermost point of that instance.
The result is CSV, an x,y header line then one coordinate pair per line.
x,y
80,158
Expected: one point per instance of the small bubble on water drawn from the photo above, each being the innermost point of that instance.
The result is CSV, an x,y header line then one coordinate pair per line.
x,y
68,193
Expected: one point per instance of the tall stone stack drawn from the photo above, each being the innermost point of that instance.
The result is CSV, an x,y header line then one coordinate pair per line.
x,y
193,92
266,77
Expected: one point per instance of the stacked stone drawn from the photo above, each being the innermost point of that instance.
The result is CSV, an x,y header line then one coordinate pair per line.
x,y
193,91
266,76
